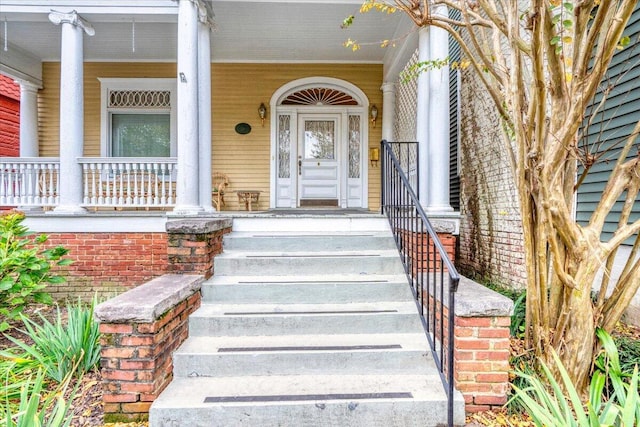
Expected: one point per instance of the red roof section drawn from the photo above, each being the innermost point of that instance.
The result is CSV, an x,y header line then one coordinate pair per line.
x,y
9,88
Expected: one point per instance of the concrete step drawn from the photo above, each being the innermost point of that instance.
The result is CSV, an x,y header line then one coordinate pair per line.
x,y
311,223
305,241
303,355
330,289
307,321
304,319
312,262
304,400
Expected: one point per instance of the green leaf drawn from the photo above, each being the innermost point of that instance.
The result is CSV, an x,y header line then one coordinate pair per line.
x,y
56,280
6,283
568,6
567,23
347,22
631,404
624,41
555,40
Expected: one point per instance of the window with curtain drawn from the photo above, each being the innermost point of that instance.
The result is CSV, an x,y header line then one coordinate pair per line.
x,y
140,135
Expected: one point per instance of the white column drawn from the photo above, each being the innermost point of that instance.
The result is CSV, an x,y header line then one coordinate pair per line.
x,y
28,119
438,140
388,110
204,121
71,109
422,116
187,202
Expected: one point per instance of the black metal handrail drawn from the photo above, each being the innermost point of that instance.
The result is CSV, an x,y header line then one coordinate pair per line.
x,y
425,260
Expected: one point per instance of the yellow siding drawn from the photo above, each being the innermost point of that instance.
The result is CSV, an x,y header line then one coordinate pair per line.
x,y
49,107
237,91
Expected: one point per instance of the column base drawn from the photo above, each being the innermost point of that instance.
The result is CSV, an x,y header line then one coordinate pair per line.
x,y
70,209
445,222
186,210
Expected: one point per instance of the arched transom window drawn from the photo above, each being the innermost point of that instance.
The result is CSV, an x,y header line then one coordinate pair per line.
x,y
319,96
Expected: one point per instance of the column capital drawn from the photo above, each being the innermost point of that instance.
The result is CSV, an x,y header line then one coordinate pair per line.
x,y
26,86
388,87
71,18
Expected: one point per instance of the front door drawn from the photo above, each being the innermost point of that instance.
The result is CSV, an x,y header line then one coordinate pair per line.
x,y
319,149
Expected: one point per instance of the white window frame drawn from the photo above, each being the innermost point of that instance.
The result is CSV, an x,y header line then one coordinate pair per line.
x,y
160,84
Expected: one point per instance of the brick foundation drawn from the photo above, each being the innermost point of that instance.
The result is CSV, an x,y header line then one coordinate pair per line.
x,y
108,263
140,330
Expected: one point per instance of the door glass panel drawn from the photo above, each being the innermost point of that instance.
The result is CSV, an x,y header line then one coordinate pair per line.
x,y
319,139
284,146
354,146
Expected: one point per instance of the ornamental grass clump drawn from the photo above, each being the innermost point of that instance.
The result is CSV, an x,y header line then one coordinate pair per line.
x,y
550,403
35,378
37,405
59,347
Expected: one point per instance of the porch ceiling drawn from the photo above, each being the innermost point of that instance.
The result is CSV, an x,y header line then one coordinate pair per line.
x,y
247,30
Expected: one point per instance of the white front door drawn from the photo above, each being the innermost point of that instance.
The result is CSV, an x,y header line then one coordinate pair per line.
x,y
319,152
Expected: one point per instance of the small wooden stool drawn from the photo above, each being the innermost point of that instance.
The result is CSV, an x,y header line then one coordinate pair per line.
x,y
248,197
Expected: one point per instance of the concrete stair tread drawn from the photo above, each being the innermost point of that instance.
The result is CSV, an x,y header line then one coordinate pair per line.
x,y
312,224
308,254
208,344
308,279
191,392
346,309
301,234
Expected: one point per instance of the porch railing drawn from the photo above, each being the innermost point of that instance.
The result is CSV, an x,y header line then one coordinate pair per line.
x,y
29,181
123,182
126,182
432,276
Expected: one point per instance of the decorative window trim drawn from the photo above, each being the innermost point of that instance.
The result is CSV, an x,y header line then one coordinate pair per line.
x,y
136,95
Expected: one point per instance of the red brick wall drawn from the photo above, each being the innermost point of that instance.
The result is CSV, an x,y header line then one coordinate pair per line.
x,y
108,263
423,255
136,360
193,253
481,357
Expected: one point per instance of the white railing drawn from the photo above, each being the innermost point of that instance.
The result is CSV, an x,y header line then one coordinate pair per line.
x,y
29,181
129,182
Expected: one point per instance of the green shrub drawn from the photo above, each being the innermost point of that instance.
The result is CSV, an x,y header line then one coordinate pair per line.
x,y
59,347
25,267
553,404
629,350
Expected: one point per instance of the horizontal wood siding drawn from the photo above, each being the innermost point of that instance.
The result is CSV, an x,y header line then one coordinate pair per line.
x,y
9,127
611,127
237,91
